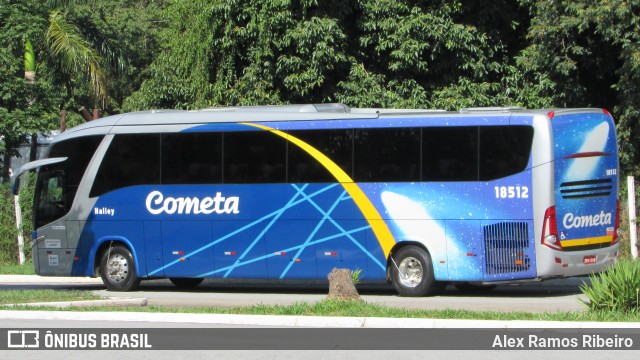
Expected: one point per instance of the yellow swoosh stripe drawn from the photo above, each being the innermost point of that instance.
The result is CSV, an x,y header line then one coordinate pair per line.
x,y
380,229
586,241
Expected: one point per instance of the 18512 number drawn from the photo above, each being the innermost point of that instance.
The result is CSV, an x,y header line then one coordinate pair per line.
x,y
512,192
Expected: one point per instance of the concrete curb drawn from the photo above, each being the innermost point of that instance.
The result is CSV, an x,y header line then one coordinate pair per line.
x,y
87,303
36,279
303,321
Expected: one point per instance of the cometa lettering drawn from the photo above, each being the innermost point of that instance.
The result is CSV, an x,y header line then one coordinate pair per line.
x,y
158,204
571,221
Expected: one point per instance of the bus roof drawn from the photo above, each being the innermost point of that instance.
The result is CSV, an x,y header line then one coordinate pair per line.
x,y
308,112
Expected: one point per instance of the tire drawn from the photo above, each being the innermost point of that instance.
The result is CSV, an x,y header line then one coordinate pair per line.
x,y
118,270
412,272
186,283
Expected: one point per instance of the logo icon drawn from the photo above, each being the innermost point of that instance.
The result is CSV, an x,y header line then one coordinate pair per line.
x,y
22,339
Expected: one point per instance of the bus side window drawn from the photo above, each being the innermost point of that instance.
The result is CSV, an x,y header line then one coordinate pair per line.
x,y
334,144
504,150
192,158
132,159
254,157
450,153
387,155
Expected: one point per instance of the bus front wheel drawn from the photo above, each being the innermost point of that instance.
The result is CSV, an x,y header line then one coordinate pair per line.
x,y
412,272
118,270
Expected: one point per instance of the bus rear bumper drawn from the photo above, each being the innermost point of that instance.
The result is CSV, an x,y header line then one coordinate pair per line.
x,y
575,263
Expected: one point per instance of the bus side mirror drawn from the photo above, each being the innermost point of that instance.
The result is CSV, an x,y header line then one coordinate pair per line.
x,y
15,182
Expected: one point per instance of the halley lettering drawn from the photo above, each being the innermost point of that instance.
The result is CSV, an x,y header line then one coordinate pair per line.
x,y
571,221
158,204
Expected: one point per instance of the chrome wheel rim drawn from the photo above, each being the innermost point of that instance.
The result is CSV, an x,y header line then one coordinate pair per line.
x,y
117,268
411,272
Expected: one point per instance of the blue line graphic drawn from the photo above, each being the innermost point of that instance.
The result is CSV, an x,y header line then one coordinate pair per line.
x,y
248,226
319,241
335,223
314,232
264,231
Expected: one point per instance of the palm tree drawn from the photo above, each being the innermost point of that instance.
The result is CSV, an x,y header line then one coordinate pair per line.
x,y
76,57
73,55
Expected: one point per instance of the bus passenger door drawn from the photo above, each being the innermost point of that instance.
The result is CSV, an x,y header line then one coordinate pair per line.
x,y
153,247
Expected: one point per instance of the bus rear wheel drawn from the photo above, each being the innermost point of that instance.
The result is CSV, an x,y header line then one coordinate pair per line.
x,y
118,270
412,272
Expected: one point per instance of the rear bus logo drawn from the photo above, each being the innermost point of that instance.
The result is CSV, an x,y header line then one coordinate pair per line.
x,y
571,221
158,204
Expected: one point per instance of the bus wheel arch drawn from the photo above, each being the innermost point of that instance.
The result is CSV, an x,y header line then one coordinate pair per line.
x,y
117,267
410,270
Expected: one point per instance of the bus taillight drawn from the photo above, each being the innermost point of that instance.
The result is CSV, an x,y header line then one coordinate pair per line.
x,y
550,230
616,230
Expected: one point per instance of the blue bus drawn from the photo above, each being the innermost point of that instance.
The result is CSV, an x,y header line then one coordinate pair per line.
x,y
419,198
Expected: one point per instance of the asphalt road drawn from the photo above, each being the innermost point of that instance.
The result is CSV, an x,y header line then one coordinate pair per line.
x,y
555,295
550,296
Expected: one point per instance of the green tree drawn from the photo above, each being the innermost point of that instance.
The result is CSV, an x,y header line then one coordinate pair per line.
x,y
618,23
73,56
124,35
24,108
590,51
363,53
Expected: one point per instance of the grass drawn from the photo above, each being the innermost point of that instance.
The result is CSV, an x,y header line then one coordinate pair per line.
x,y
15,269
322,308
31,296
363,309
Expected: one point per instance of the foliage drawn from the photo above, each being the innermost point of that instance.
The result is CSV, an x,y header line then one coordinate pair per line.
x,y
24,108
8,231
616,289
368,53
46,295
124,35
14,268
356,275
589,51
72,53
